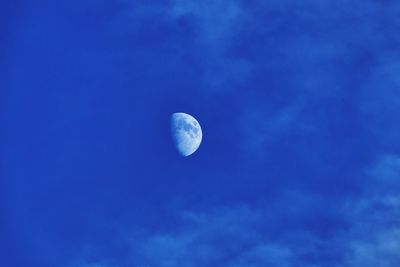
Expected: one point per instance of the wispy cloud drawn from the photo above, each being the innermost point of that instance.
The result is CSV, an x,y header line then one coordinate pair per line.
x,y
374,236
279,233
315,54
226,236
217,25
216,21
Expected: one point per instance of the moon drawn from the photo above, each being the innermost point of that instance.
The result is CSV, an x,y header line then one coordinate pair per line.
x,y
186,133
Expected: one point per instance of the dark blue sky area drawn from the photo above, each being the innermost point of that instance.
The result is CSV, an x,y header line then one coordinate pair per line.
x,y
299,102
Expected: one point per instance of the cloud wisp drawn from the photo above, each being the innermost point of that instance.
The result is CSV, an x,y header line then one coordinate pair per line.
x,y
243,236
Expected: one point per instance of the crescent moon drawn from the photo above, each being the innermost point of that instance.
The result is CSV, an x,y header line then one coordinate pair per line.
x,y
186,133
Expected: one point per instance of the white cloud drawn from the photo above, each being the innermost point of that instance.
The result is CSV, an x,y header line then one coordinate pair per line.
x,y
217,25
380,248
374,238
226,237
240,236
216,21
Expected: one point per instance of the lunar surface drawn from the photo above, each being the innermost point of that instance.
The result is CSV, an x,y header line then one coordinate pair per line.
x,y
186,133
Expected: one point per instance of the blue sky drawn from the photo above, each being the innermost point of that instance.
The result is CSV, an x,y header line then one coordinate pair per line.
x,y
298,101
